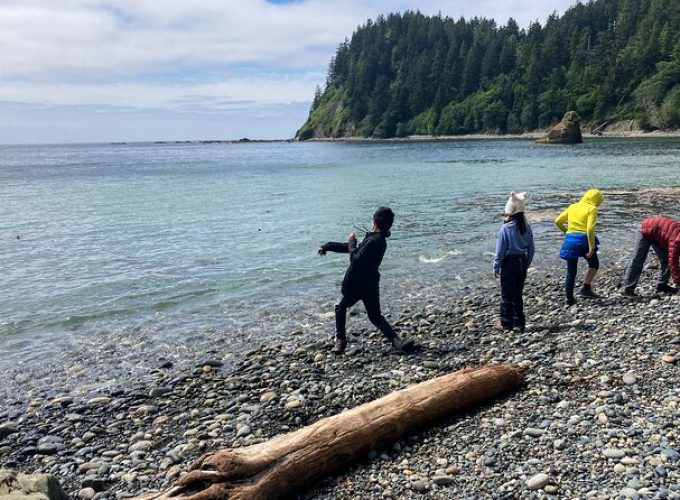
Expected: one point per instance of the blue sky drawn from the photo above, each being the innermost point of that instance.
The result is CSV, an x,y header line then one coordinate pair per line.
x,y
135,70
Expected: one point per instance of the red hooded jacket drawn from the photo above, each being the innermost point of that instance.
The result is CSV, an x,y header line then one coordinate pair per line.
x,y
665,232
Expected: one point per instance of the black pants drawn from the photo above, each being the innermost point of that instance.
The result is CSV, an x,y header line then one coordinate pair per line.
x,y
371,300
572,268
513,276
634,269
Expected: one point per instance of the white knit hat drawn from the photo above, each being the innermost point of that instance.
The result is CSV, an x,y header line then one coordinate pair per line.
x,y
515,203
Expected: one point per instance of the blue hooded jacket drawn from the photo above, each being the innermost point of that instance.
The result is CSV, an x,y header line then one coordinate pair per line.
x,y
511,242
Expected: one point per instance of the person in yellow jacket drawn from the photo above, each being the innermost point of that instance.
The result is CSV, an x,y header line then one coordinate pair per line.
x,y
578,221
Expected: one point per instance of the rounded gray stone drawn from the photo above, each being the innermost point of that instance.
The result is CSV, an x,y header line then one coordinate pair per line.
x,y
538,481
614,453
86,494
419,486
442,480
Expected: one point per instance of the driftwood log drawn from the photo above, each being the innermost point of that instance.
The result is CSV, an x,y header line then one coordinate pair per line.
x,y
287,464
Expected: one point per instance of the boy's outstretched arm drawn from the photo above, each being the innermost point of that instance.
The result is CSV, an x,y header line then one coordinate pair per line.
x,y
333,246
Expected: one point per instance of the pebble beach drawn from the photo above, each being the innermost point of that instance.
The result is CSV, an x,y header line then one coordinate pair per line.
x,y
598,416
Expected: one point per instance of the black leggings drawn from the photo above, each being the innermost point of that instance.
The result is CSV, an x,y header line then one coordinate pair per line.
x,y
572,268
371,300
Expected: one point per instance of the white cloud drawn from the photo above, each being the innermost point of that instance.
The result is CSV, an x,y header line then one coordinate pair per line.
x,y
264,89
98,38
523,11
153,54
90,37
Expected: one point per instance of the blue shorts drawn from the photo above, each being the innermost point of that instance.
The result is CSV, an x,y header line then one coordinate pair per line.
x,y
575,245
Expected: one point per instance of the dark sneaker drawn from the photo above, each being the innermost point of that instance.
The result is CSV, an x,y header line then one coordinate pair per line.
x,y
629,294
339,347
588,293
402,344
664,288
570,302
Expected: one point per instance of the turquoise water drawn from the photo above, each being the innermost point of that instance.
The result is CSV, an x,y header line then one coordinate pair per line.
x,y
156,246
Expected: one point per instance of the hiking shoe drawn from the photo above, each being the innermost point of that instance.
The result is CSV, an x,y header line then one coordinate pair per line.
x,y
588,293
339,347
570,302
403,345
629,294
664,288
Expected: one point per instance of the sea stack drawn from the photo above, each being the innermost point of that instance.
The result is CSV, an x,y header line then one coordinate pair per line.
x,y
568,131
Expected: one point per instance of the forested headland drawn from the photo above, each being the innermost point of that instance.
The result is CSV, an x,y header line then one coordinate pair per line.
x,y
410,74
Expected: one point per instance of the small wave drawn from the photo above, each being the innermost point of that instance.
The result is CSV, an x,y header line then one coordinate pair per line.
x,y
546,215
77,320
433,259
180,298
430,260
471,161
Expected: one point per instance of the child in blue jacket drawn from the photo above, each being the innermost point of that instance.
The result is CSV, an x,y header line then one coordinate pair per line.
x,y
514,253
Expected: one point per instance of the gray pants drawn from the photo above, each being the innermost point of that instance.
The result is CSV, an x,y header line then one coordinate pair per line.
x,y
634,269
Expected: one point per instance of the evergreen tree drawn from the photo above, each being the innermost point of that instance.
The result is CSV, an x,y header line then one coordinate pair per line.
x,y
408,73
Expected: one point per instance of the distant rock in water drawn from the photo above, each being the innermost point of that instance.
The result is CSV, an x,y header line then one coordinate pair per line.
x,y
30,487
568,131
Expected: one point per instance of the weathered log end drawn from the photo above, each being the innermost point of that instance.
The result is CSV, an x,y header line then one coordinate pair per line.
x,y
284,465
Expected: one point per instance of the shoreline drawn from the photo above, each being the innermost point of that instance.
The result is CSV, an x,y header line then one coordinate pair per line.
x,y
94,361
594,414
613,134
500,137
89,364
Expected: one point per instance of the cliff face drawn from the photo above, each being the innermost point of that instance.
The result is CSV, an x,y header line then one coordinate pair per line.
x,y
404,74
330,118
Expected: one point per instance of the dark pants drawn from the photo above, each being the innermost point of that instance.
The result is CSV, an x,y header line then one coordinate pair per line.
x,y
371,300
513,276
634,269
572,268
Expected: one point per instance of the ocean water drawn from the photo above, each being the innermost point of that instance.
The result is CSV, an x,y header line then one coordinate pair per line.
x,y
136,251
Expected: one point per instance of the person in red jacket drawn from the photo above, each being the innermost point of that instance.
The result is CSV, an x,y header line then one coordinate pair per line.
x,y
663,235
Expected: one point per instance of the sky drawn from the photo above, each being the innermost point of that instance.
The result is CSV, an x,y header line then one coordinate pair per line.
x,y
77,71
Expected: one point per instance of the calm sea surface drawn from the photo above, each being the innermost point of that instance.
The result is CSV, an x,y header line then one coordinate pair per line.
x,y
145,250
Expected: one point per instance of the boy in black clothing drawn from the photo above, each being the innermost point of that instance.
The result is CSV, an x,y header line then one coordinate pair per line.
x,y
362,279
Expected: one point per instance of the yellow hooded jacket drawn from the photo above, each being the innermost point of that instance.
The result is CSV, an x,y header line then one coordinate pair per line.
x,y
581,217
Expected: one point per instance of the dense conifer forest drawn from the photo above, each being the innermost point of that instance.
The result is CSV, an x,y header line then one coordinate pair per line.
x,y
411,74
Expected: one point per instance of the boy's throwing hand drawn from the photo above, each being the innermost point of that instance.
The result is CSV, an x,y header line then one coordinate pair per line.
x,y
321,251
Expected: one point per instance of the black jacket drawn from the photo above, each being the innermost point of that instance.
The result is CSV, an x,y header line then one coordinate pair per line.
x,y
364,262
